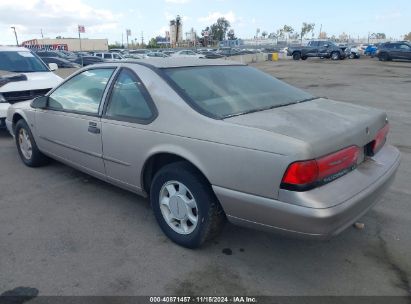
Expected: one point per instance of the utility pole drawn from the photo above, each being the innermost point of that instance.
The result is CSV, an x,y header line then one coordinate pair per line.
x,y
41,31
81,29
142,38
15,35
321,29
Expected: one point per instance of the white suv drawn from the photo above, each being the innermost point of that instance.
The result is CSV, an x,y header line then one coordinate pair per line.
x,y
109,56
23,76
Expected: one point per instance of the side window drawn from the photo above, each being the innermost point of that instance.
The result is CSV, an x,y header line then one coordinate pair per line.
x,y
82,93
116,56
107,56
128,100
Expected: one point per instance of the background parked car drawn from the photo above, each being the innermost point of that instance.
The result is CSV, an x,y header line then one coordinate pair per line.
x,y
317,48
352,52
110,56
61,63
157,54
212,55
394,50
227,52
87,60
370,50
54,54
134,56
187,54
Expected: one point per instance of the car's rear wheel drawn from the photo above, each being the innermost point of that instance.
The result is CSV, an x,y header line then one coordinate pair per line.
x,y
297,56
185,206
335,55
27,147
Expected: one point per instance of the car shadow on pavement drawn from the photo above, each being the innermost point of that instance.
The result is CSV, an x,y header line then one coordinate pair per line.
x,y
4,133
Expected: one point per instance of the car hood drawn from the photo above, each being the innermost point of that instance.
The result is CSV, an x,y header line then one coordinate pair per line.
x,y
324,125
21,105
35,81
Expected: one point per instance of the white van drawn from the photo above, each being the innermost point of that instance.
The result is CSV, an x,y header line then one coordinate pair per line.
x,y
23,76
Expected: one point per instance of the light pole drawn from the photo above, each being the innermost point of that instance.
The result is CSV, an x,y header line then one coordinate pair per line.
x,y
15,34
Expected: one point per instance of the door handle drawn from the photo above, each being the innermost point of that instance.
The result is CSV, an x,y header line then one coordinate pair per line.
x,y
92,128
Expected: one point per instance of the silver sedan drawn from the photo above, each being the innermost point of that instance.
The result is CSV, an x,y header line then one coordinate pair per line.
x,y
209,140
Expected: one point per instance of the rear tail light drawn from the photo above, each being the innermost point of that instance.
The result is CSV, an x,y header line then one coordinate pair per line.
x,y
379,140
306,175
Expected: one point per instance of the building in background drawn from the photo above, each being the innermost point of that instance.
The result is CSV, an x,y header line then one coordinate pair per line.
x,y
176,32
68,44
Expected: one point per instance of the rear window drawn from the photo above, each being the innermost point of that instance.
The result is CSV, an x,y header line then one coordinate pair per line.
x,y
225,91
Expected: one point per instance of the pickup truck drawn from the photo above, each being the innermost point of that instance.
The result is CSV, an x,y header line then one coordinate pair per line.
x,y
317,48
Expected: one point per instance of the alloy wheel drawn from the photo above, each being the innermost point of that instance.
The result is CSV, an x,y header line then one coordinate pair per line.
x,y
25,145
178,207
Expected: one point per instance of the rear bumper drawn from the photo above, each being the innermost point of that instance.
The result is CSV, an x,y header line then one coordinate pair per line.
x,y
292,218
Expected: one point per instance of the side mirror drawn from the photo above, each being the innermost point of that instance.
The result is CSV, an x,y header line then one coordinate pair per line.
x,y
39,102
53,66
326,45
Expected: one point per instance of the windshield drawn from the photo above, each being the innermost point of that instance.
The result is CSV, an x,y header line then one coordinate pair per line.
x,y
21,62
224,91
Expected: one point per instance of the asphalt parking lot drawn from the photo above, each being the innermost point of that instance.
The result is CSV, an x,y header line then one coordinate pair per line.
x,y
65,233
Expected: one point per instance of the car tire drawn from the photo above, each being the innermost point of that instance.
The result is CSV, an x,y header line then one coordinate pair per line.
x,y
304,57
384,57
335,55
185,205
27,147
297,56
352,56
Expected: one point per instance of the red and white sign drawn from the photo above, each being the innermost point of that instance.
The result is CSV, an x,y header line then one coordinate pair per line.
x,y
81,29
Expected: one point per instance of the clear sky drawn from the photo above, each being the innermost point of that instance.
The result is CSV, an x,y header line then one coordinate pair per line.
x,y
109,19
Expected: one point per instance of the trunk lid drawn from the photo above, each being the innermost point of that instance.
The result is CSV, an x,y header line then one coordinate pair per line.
x,y
325,125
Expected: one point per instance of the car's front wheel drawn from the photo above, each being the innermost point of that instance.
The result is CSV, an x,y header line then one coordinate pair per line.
x,y
297,56
185,206
335,56
26,146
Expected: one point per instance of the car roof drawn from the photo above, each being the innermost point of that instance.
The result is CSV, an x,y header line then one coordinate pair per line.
x,y
163,63
13,49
